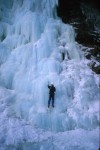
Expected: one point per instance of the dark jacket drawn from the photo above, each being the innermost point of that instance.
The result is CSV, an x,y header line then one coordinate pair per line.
x,y
52,89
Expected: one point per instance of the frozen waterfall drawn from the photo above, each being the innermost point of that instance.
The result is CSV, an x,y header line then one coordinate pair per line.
x,y
32,42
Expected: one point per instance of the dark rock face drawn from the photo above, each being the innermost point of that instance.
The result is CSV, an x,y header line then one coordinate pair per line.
x,y
85,17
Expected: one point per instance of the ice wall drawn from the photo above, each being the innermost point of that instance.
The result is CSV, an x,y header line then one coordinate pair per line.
x,y
32,41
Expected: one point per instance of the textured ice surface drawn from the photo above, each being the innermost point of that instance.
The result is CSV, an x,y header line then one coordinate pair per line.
x,y
32,40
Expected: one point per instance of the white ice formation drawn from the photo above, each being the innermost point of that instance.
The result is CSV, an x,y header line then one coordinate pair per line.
x,y
32,40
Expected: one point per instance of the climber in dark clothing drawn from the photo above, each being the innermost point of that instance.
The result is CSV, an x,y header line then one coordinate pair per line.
x,y
52,90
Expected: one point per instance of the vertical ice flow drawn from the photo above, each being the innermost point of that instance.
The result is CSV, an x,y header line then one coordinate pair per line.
x,y
32,42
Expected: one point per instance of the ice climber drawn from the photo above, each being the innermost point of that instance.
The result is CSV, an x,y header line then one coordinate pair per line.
x,y
52,90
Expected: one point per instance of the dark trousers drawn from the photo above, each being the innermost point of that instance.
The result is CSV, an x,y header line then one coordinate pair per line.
x,y
51,97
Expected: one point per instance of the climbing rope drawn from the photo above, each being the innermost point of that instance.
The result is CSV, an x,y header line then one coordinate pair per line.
x,y
51,130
